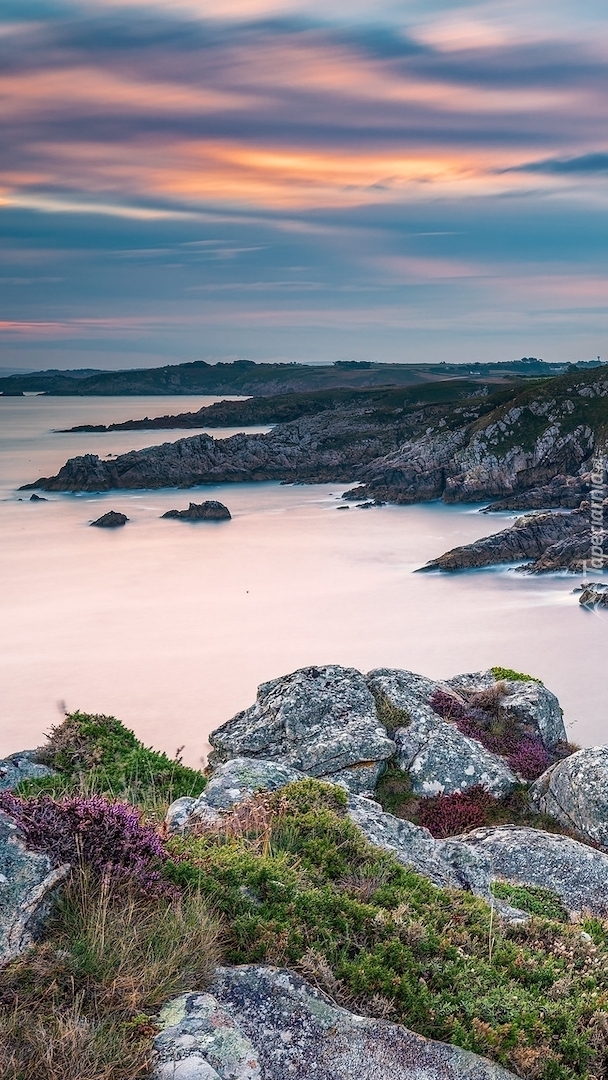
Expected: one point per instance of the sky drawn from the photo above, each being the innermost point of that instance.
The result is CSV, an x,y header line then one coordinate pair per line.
x,y
298,180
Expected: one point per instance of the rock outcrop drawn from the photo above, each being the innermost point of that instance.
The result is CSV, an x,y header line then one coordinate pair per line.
x,y
529,538
400,446
441,760
522,856
231,782
566,492
325,722
21,766
211,510
111,520
575,792
595,594
264,1023
319,720
27,884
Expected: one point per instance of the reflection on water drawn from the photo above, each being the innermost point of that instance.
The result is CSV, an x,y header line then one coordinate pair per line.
x,y
171,626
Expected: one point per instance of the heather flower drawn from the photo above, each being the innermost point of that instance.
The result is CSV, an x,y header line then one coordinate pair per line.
x,y
105,837
449,815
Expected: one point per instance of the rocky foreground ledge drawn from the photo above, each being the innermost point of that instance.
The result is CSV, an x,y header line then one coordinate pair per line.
x,y
356,941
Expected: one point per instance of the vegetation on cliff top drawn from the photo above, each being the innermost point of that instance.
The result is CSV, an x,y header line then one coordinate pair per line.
x,y
289,880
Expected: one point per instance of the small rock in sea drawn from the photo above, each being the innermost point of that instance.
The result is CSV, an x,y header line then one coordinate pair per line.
x,y
37,498
206,511
594,594
111,520
342,507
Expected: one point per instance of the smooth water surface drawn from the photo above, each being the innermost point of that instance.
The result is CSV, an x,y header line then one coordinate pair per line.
x,y
170,625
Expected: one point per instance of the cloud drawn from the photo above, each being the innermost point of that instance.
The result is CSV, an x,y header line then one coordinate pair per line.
x,y
586,163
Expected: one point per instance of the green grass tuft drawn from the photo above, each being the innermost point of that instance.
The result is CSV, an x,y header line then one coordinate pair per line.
x,y
501,673
533,899
98,755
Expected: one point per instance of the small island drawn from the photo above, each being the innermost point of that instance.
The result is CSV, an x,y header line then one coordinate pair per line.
x,y
112,520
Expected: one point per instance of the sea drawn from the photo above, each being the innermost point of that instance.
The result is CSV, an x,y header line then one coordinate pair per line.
x,y
171,626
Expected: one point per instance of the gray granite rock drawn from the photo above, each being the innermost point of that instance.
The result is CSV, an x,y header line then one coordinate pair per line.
x,y
231,783
527,701
405,690
441,760
575,792
27,884
21,766
447,863
199,1040
522,856
264,1022
320,720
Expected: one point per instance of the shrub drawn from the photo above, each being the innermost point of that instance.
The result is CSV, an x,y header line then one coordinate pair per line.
x,y
530,759
99,755
105,837
533,899
381,939
449,815
481,720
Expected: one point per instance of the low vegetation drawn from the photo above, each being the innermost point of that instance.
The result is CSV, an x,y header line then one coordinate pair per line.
x,y
287,879
98,755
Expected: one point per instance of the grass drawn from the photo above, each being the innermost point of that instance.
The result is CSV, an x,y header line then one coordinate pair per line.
x,y
503,673
533,899
297,884
82,1005
98,755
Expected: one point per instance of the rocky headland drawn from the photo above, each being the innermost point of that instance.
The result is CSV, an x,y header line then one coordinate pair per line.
x,y
445,440
543,542
379,875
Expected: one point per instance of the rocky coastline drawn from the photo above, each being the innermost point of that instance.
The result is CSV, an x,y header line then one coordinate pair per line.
x,y
350,932
447,442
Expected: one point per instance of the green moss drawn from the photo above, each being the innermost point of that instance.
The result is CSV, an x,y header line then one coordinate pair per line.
x,y
501,673
533,899
299,885
98,754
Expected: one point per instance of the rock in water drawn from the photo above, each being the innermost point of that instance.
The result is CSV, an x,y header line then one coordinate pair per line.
x,y
111,520
575,792
595,594
27,884
264,1022
205,511
37,498
320,720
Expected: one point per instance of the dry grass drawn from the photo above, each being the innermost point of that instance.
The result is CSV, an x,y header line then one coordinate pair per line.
x,y
82,1005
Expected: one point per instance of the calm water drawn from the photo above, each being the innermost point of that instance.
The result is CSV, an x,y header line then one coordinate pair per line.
x,y
170,626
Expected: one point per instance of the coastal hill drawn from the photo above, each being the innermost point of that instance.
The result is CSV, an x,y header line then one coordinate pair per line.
x,y
248,378
456,441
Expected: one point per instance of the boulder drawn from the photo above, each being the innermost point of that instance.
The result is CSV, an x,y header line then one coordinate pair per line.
x,y
231,783
37,498
528,701
522,856
319,720
575,792
211,510
27,884
265,1022
111,520
21,766
441,760
595,594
